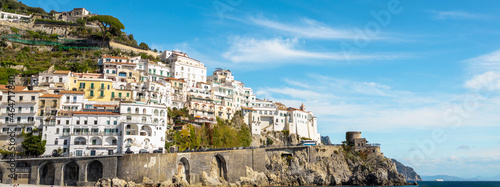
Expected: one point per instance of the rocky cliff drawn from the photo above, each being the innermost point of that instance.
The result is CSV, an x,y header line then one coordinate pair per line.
x,y
407,171
340,168
306,166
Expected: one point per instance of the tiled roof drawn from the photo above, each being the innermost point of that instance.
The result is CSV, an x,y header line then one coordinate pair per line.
x,y
17,88
72,92
102,105
61,72
117,57
50,96
248,108
101,113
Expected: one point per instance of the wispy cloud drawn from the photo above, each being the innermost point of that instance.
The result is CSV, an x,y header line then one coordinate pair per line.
x,y
455,15
308,28
279,50
484,71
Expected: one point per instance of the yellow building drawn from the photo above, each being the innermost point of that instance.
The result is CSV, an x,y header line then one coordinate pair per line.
x,y
98,89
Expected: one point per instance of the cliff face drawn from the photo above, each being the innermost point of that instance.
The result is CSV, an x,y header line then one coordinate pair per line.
x,y
339,168
407,171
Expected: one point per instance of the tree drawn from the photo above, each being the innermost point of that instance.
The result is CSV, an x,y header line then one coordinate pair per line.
x,y
33,145
110,26
144,46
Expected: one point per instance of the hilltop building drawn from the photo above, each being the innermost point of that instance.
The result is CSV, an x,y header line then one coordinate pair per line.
x,y
73,15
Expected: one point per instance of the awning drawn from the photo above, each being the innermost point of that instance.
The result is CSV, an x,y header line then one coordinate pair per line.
x,y
197,117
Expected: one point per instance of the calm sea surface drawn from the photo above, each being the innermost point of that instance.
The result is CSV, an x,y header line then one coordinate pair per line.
x,y
454,184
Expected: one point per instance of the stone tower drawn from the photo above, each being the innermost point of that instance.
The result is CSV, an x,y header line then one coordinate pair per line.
x,y
302,107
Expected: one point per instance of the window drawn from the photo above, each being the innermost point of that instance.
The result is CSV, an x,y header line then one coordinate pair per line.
x,y
107,71
32,98
108,122
94,141
67,122
85,122
60,79
95,122
78,122
102,94
78,152
108,86
20,98
19,109
112,94
91,93
119,95
56,141
91,85
102,85
128,94
115,123
82,85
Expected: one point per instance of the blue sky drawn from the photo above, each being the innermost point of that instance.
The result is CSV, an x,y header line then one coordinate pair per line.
x,y
419,77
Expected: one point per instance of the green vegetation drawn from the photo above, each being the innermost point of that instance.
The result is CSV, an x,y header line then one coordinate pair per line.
x,y
33,145
18,7
177,116
110,26
53,22
36,61
269,141
144,46
225,134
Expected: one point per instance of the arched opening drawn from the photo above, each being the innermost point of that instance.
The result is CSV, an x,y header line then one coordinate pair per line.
x,y
47,173
146,130
1,175
131,129
70,172
183,168
94,171
23,171
221,167
146,143
110,141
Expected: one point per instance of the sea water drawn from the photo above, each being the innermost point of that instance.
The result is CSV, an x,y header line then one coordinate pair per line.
x,y
453,184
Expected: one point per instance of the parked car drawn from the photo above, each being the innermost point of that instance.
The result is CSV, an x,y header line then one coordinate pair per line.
x,y
157,151
143,151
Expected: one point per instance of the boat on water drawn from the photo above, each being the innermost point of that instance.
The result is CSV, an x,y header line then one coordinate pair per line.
x,y
439,180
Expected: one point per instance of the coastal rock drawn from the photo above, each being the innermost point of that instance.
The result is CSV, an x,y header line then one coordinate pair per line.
x,y
116,182
179,181
345,168
407,172
103,183
206,180
253,178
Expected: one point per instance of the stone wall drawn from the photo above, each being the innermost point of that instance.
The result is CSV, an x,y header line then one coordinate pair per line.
x,y
162,167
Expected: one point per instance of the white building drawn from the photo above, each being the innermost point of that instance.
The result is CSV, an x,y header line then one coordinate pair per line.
x,y
189,69
12,17
54,81
83,133
72,100
144,126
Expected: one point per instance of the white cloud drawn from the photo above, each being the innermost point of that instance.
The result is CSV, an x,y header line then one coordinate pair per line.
x,y
279,50
448,15
485,72
308,28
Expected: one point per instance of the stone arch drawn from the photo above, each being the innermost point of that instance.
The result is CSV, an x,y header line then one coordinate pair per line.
x,y
94,171
1,174
47,173
183,168
221,166
146,130
23,171
70,174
